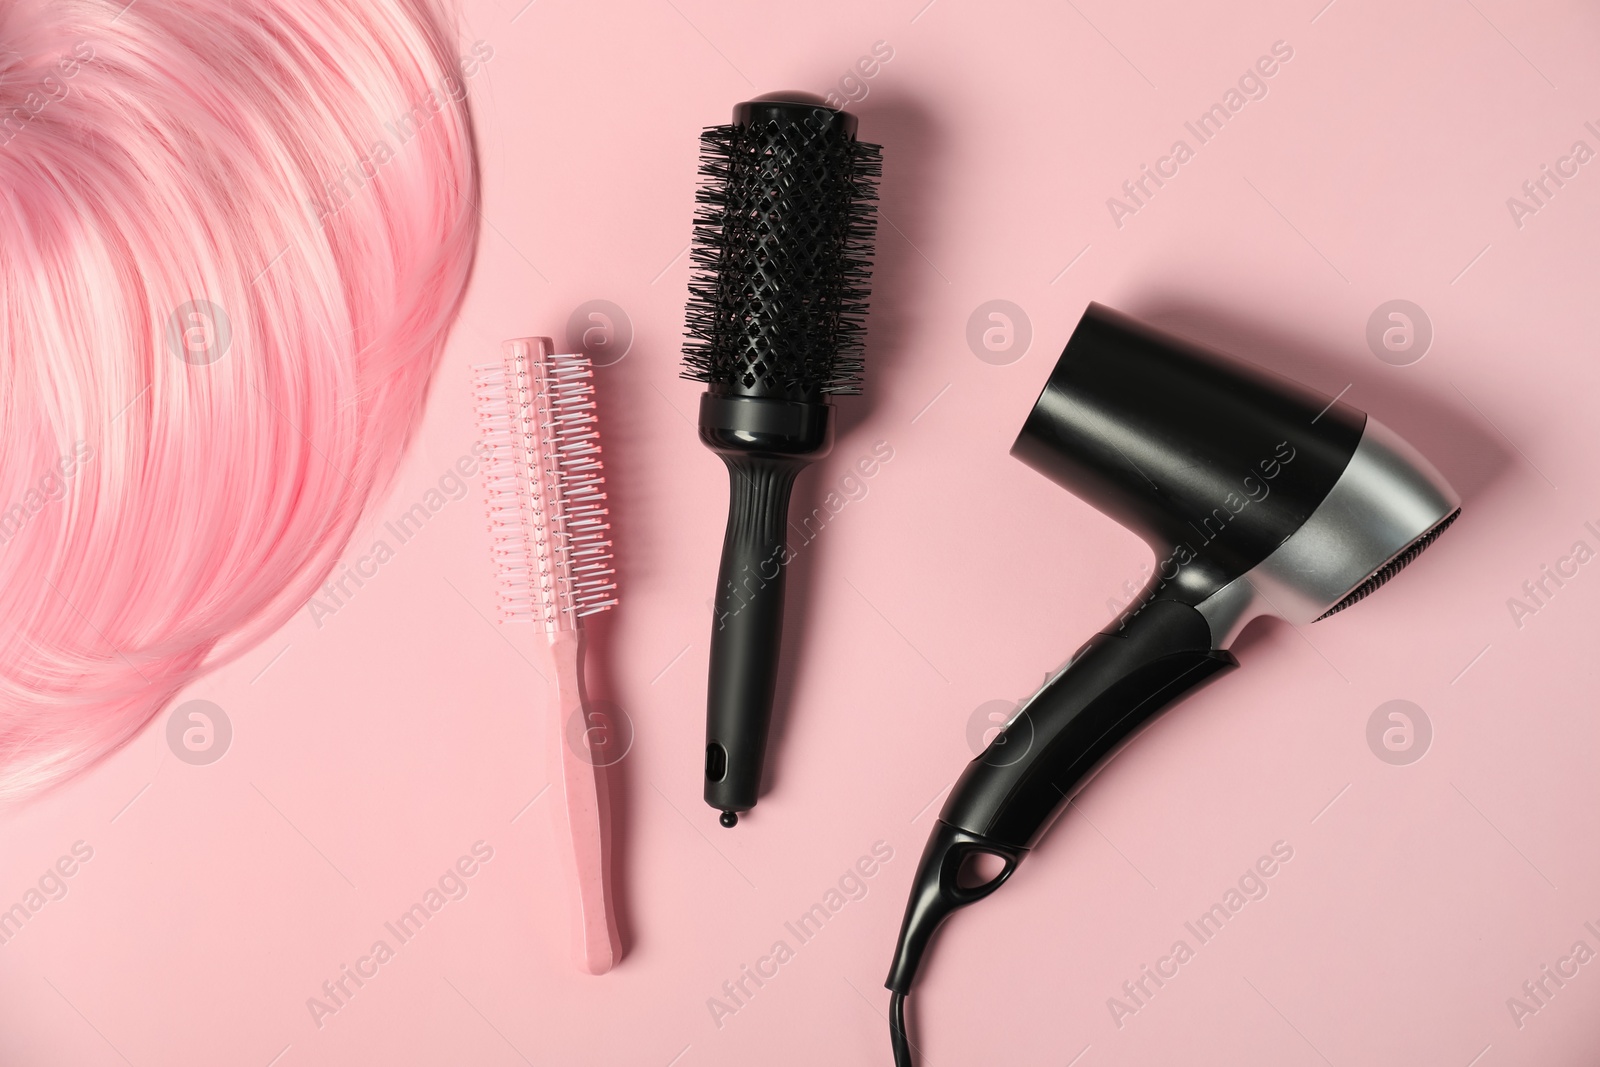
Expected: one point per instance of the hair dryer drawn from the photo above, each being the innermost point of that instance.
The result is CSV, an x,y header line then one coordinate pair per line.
x,y
1258,496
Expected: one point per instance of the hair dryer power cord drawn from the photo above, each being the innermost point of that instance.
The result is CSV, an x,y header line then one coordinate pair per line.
x,y
897,1030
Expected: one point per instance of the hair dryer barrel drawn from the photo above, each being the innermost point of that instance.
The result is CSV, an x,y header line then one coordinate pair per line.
x,y
1186,446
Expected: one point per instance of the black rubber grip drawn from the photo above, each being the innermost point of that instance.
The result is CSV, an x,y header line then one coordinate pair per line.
x,y
1115,684
1008,796
747,628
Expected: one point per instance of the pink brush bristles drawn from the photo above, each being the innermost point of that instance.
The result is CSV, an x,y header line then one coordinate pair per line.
x,y
546,497
547,529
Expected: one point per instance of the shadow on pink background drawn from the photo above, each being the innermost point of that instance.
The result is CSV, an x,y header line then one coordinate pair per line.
x,y
376,744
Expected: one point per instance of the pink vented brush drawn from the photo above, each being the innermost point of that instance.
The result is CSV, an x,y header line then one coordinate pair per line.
x,y
547,524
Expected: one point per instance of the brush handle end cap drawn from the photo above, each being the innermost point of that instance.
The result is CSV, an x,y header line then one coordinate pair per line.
x,y
793,105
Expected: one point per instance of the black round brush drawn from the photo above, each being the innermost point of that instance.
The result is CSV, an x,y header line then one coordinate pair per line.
x,y
782,250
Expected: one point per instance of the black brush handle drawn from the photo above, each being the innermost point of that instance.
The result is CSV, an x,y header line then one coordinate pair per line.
x,y
765,444
747,628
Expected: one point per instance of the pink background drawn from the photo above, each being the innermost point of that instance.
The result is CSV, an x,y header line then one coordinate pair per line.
x,y
372,750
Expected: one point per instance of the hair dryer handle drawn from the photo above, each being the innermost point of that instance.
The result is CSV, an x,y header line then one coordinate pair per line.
x,y
1115,684
1008,796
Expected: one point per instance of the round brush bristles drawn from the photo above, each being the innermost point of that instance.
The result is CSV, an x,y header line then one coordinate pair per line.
x,y
233,236
782,249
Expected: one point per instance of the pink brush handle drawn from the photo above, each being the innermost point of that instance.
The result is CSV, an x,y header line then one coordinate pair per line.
x,y
583,813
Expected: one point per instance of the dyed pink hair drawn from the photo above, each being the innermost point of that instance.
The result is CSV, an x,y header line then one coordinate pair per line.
x,y
233,237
